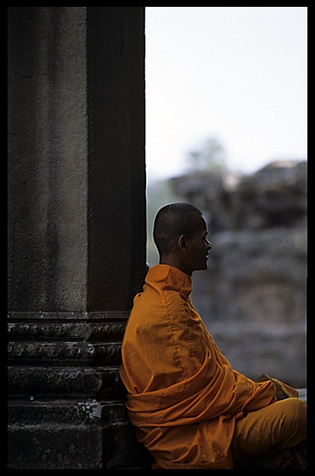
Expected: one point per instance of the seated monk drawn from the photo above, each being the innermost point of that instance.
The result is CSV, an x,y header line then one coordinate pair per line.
x,y
191,410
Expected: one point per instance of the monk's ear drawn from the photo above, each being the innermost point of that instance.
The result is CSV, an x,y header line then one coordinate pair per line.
x,y
183,242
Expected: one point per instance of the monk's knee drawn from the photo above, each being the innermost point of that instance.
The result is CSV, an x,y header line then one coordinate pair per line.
x,y
301,417
295,422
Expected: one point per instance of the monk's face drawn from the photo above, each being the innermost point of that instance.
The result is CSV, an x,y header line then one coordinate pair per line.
x,y
198,246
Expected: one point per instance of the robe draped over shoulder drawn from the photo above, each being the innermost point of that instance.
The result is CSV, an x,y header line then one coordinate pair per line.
x,y
182,394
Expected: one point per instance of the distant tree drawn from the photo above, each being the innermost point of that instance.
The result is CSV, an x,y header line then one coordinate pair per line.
x,y
209,157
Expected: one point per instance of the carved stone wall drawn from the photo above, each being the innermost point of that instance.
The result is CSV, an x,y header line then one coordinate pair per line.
x,y
67,402
76,232
253,295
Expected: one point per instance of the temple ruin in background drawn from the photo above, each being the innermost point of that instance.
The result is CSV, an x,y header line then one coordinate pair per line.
x,y
253,295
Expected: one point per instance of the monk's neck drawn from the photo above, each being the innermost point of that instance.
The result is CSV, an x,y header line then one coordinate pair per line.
x,y
170,261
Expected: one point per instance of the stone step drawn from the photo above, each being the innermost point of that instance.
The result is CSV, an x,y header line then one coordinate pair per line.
x,y
62,411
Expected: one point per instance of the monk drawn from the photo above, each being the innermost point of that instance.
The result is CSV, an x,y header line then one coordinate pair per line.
x,y
191,410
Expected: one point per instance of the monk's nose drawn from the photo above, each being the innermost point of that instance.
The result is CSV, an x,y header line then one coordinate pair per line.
x,y
209,245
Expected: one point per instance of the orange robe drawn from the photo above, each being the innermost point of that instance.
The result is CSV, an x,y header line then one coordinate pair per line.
x,y
183,395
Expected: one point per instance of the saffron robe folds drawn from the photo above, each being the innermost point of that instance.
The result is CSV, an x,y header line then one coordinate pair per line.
x,y
182,394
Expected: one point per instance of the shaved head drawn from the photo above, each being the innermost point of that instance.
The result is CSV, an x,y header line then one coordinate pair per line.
x,y
173,221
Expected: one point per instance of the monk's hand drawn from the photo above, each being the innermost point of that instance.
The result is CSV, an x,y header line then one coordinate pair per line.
x,y
280,395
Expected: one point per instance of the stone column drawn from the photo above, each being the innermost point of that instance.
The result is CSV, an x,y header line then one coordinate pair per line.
x,y
76,195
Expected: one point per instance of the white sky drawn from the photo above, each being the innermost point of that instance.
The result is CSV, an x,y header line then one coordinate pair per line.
x,y
237,73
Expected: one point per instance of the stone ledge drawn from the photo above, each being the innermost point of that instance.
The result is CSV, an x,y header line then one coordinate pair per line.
x,y
77,353
58,316
69,331
65,382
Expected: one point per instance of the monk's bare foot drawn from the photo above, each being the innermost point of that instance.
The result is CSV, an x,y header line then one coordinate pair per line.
x,y
277,459
289,458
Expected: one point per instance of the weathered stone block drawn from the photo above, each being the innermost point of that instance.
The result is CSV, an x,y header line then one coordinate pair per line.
x,y
59,435
122,450
55,447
